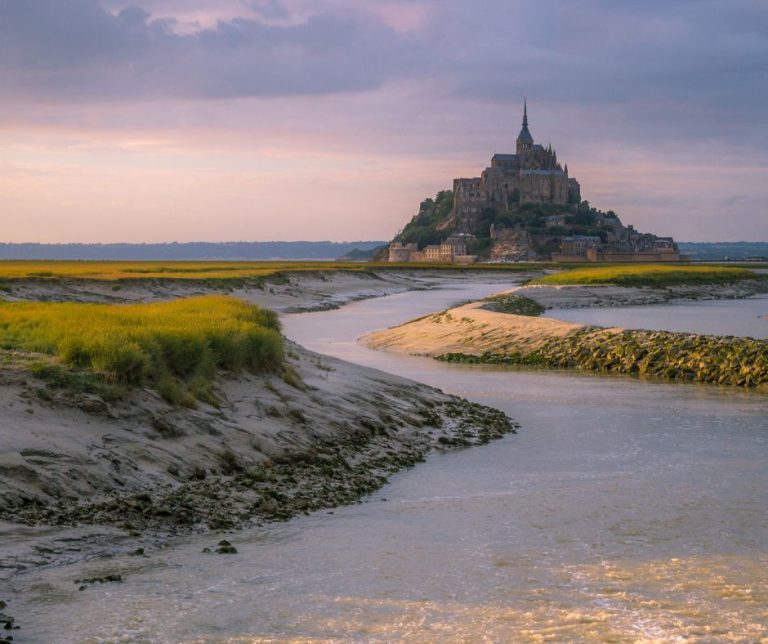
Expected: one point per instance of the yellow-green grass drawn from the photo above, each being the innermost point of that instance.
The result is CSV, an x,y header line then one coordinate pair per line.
x,y
11,270
658,275
106,270
167,344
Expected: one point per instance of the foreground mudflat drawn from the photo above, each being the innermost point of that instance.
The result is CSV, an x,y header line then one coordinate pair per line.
x,y
316,433
270,449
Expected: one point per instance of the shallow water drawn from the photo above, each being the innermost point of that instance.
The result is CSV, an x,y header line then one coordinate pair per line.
x,y
622,510
747,317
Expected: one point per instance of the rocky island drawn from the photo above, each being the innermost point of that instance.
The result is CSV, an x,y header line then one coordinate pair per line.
x,y
525,206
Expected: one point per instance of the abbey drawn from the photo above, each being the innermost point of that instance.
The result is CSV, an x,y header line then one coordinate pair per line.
x,y
531,175
524,207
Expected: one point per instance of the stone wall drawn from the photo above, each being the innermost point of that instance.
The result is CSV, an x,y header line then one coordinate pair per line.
x,y
599,256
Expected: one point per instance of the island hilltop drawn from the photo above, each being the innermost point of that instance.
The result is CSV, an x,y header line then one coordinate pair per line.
x,y
524,207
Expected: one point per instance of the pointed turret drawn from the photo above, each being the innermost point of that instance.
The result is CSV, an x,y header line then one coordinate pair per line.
x,y
524,139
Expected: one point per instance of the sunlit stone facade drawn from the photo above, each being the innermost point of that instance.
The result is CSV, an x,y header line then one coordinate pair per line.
x,y
531,175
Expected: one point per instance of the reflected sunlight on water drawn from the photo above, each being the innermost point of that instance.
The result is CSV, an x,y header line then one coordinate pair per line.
x,y
663,599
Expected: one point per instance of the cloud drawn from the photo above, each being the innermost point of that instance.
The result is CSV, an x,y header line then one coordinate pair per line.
x,y
681,66
702,56
269,9
681,84
70,49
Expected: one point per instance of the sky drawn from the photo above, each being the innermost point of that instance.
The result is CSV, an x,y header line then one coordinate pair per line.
x,y
221,120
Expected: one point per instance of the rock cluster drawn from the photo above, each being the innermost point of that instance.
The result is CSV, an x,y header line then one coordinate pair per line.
x,y
724,360
515,304
7,623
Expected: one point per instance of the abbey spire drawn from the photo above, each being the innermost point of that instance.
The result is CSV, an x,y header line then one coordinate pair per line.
x,y
524,139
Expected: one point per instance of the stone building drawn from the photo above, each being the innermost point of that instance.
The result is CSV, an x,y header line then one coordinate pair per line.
x,y
531,175
552,221
401,252
579,244
633,247
453,250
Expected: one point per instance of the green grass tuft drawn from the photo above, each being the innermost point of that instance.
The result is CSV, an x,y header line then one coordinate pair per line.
x,y
171,345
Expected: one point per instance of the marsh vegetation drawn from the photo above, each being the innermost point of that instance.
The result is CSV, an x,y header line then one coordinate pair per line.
x,y
176,346
650,275
233,272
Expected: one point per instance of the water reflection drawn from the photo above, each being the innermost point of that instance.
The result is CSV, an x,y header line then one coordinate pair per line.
x,y
720,317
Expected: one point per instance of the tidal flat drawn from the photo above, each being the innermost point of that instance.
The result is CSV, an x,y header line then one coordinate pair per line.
x,y
132,534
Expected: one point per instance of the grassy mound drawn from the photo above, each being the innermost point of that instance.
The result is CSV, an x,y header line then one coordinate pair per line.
x,y
656,275
166,344
515,304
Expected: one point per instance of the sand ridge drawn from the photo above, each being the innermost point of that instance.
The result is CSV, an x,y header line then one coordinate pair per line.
x,y
469,329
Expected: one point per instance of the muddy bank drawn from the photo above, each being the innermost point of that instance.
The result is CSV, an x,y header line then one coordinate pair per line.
x,y
582,296
289,292
474,334
294,292
74,453
273,447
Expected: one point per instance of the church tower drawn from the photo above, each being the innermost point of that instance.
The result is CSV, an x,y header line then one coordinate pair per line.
x,y
524,139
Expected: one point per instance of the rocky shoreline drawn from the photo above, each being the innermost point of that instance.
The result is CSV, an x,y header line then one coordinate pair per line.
x,y
326,435
335,472
741,362
474,334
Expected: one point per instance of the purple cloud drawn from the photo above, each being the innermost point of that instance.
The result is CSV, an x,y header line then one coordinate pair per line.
x,y
655,105
75,48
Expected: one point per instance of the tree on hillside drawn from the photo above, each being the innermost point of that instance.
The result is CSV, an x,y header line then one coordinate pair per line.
x,y
422,229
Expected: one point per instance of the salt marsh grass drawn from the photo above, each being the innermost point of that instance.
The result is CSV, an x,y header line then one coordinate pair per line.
x,y
12,270
657,275
175,346
98,270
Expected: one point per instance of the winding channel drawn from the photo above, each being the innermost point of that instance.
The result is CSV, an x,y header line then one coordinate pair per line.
x,y
623,509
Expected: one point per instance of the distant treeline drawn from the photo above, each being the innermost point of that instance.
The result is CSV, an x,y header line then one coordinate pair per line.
x,y
231,251
738,251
